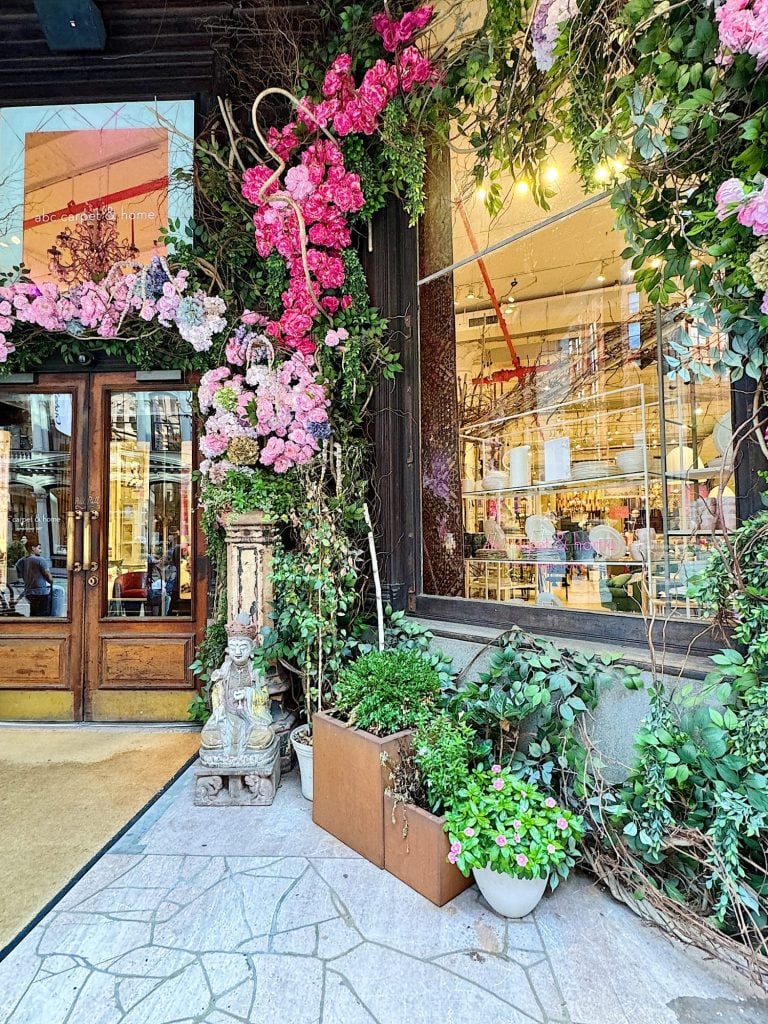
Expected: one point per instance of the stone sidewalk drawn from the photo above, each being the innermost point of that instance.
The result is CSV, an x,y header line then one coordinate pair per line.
x,y
233,915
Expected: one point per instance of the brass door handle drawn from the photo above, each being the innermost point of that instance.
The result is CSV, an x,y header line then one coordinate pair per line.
x,y
88,518
72,517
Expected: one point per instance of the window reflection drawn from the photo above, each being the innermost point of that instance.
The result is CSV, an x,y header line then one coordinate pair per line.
x,y
35,496
149,512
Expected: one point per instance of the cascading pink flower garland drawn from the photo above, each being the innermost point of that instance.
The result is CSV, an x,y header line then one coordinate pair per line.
x,y
151,293
285,404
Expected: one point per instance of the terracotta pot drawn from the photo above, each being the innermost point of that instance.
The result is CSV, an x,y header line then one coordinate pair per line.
x,y
508,896
349,783
420,858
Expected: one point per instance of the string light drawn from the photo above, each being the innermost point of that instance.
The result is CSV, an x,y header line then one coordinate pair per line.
x,y
602,173
481,193
522,187
551,174
656,263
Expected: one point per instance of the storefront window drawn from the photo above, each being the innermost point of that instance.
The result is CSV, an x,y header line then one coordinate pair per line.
x,y
561,466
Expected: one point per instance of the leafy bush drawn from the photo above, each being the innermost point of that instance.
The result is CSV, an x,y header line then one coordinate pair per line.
x,y
497,821
386,691
402,633
443,750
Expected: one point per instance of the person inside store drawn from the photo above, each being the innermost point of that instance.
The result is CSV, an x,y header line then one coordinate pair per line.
x,y
35,572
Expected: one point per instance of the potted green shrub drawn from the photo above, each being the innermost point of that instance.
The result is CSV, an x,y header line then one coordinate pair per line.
x,y
421,787
377,700
512,837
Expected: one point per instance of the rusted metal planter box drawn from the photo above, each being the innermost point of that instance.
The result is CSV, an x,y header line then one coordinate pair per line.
x,y
420,858
349,783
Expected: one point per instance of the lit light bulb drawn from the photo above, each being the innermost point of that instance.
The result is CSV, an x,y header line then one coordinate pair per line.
x,y
601,278
522,187
698,410
619,166
481,193
471,295
695,263
551,174
602,173
656,263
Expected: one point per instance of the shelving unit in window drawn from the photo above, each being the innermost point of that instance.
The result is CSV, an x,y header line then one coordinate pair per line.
x,y
562,490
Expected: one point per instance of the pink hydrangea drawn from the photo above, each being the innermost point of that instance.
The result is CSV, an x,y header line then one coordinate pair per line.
x,y
754,211
743,28
333,338
728,197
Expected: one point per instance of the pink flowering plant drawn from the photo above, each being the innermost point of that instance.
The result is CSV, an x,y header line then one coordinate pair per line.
x,y
500,822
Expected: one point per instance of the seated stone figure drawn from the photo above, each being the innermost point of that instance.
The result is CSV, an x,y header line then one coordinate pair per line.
x,y
239,731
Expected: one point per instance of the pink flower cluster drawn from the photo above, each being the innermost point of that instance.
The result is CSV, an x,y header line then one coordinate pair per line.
x,y
743,28
283,406
325,193
102,307
396,33
320,188
750,207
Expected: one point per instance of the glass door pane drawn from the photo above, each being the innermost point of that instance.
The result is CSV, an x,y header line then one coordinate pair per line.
x,y
35,499
149,513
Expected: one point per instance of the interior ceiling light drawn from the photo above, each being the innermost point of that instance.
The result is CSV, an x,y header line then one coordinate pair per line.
x,y
471,294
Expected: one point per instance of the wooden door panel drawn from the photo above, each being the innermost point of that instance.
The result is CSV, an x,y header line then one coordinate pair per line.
x,y
146,600
144,662
34,662
43,428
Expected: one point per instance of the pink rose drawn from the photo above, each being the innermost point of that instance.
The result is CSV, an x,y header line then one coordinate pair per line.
x,y
498,784
549,802
562,824
456,847
501,840
495,768
452,857
521,859
551,848
469,831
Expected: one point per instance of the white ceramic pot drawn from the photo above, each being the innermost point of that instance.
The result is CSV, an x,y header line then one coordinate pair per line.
x,y
508,896
304,757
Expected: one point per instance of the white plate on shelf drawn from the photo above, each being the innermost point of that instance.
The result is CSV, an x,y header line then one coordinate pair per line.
x,y
590,470
539,529
722,433
607,542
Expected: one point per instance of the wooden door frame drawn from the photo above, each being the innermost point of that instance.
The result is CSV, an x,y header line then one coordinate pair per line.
x,y
68,631
98,625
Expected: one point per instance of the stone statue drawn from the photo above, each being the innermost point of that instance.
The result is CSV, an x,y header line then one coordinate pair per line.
x,y
238,745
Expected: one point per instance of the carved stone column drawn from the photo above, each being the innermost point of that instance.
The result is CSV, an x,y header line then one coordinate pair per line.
x,y
249,557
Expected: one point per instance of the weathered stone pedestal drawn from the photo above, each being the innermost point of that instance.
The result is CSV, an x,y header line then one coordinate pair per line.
x,y
249,558
252,784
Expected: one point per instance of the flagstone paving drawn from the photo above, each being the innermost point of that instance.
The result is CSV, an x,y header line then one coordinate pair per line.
x,y
232,915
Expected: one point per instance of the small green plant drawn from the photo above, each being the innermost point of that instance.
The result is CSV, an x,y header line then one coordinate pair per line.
x,y
500,822
386,691
443,750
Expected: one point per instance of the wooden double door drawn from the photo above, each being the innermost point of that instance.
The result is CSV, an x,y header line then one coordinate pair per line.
x,y
102,575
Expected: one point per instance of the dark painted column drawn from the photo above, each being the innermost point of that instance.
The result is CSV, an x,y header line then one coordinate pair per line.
x,y
749,456
391,267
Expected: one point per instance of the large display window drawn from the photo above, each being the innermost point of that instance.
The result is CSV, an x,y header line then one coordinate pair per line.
x,y
561,465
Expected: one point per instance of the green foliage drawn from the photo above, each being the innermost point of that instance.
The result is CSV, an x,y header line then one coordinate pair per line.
x,y
443,752
529,677
402,633
209,656
405,158
385,691
498,821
